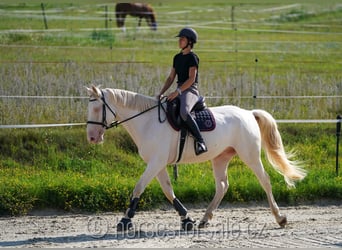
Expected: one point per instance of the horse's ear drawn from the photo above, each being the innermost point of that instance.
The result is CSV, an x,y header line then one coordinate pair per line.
x,y
89,91
94,92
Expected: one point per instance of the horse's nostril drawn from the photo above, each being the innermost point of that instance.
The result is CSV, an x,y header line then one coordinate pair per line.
x,y
92,138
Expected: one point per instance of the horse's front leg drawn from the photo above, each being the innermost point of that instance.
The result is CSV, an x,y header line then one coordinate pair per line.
x,y
151,171
220,164
165,183
120,21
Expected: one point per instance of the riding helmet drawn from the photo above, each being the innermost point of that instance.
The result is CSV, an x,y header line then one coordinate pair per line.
x,y
189,33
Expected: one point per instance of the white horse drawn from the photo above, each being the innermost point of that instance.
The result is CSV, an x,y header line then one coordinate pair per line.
x,y
238,132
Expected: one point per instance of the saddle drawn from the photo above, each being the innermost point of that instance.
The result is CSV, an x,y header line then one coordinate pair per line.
x,y
202,115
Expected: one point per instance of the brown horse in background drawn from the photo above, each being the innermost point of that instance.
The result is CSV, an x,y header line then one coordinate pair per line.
x,y
140,10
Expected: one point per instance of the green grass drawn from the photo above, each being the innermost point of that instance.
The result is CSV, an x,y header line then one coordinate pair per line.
x,y
297,46
41,168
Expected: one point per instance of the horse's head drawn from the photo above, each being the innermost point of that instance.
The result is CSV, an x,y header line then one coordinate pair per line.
x,y
98,117
154,26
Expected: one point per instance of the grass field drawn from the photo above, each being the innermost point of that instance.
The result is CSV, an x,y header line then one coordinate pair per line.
x,y
286,54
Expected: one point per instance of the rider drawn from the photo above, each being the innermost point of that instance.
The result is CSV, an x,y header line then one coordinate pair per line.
x,y
185,66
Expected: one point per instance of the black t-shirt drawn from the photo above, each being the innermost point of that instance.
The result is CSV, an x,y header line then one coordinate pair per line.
x,y
182,64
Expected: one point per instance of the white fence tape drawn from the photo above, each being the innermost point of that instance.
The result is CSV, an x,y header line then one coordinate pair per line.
x,y
43,125
309,121
43,97
274,97
207,97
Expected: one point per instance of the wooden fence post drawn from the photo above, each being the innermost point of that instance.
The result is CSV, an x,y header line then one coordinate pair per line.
x,y
106,16
44,17
338,134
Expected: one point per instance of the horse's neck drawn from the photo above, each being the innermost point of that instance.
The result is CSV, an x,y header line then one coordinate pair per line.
x,y
128,105
135,126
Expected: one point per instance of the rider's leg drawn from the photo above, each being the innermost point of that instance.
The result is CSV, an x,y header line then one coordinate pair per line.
x,y
200,146
187,102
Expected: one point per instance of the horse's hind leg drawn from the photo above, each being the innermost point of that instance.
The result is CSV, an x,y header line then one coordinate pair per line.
x,y
265,182
220,164
165,183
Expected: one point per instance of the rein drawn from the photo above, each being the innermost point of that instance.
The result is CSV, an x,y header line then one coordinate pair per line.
x,y
117,123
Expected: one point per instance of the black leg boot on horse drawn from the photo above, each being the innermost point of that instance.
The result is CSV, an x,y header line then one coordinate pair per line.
x,y
200,146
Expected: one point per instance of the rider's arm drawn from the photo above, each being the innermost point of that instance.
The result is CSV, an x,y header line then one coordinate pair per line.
x,y
169,81
185,85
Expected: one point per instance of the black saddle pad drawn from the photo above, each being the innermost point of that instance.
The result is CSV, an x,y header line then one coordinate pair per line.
x,y
204,117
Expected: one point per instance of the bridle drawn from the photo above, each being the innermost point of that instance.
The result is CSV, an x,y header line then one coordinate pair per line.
x,y
104,114
105,105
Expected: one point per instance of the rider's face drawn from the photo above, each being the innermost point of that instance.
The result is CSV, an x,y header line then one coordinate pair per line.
x,y
182,42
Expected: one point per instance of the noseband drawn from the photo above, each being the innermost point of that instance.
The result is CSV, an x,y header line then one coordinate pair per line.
x,y
104,114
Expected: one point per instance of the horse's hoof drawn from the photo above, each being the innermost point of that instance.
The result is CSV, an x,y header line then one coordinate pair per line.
x,y
124,225
283,221
188,224
203,224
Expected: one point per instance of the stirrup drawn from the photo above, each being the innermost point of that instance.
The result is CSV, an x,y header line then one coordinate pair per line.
x,y
200,147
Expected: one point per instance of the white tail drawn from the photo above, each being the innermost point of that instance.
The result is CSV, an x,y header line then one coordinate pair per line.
x,y
273,146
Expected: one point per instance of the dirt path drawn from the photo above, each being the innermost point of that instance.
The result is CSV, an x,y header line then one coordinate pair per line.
x,y
232,226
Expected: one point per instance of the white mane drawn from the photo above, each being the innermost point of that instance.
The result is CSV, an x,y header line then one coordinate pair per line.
x,y
132,100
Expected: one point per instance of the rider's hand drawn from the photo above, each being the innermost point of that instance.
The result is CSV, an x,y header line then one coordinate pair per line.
x,y
172,96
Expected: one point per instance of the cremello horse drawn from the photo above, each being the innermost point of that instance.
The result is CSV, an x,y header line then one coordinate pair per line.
x,y
238,132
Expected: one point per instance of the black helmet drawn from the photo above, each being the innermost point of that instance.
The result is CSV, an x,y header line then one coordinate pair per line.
x,y
189,33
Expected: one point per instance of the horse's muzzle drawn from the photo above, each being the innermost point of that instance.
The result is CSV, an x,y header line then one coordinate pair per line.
x,y
95,136
154,26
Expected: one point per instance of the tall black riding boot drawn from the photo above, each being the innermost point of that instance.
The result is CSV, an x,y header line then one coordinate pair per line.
x,y
200,146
